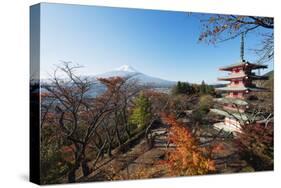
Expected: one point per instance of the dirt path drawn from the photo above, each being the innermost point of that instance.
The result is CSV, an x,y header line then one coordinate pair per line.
x,y
138,157
141,156
151,156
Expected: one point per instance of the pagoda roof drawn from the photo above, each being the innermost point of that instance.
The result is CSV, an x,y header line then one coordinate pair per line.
x,y
239,116
243,75
240,88
243,64
227,128
231,101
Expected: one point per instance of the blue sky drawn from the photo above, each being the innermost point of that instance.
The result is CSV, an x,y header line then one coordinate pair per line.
x,y
163,44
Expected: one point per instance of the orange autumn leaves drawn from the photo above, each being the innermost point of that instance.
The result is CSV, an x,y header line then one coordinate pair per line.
x,y
188,157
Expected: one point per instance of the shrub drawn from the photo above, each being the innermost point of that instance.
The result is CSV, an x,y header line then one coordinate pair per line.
x,y
255,144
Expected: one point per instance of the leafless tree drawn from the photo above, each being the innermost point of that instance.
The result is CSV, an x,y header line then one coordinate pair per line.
x,y
77,115
124,89
220,28
253,113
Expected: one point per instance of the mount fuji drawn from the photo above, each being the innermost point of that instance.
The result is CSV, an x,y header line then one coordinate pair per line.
x,y
126,68
127,71
123,71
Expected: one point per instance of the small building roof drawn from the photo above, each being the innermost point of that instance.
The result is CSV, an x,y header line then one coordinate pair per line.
x,y
243,64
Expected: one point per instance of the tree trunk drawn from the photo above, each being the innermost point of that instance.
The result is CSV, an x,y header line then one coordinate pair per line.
x,y
125,119
116,129
71,176
118,135
127,128
109,153
109,143
85,168
72,173
100,152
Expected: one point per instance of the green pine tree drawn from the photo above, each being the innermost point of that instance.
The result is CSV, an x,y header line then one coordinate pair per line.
x,y
141,114
203,88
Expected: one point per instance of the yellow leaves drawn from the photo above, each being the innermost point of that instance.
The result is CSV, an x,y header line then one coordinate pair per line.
x,y
211,165
195,158
187,158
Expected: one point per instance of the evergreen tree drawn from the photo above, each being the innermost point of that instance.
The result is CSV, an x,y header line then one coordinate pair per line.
x,y
189,89
203,88
142,111
178,87
182,88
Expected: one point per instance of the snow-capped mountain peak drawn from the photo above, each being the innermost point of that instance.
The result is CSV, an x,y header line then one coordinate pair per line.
x,y
143,79
126,68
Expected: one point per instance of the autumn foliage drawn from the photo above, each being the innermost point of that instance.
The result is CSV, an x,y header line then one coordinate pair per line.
x,y
188,158
255,144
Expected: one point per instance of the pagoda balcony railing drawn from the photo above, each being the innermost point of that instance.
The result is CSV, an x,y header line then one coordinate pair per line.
x,y
242,72
239,84
236,73
234,96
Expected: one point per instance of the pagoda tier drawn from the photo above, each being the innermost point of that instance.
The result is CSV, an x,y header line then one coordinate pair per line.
x,y
241,88
226,127
243,65
231,101
243,76
228,114
236,115
232,105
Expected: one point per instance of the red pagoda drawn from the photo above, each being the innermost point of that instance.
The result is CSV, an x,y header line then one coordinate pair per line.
x,y
240,86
